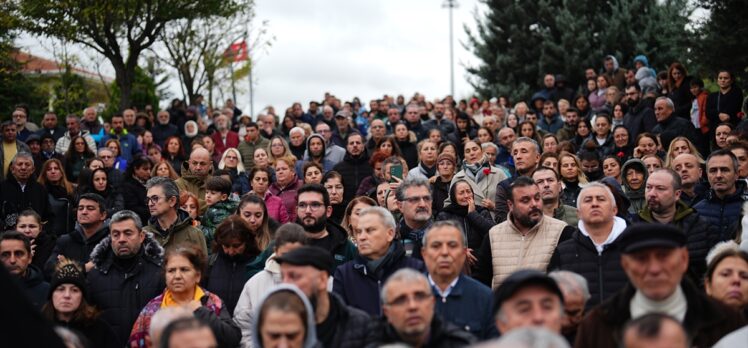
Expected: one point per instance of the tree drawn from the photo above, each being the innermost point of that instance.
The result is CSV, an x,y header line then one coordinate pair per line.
x,y
519,41
721,39
143,93
120,30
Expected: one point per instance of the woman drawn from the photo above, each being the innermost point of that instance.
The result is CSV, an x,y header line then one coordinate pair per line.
x,y
119,162
278,148
681,145
68,307
133,186
426,168
527,130
720,136
621,143
369,184
652,163
583,106
76,156
597,98
231,161
726,276
603,138
584,129
333,183
646,144
154,152
634,176
484,135
210,145
475,220
389,146
174,153
449,148
612,167
260,183
550,160
147,139
183,270
406,145
97,182
619,110
261,160
482,177
164,169
435,136
286,184
30,225
446,164
352,211
725,104
288,307
572,177
235,246
550,143
288,123
679,84
312,172
512,122
189,203
191,132
253,210
60,197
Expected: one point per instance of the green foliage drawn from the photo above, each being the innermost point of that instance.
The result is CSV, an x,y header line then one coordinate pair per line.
x,y
519,41
70,94
721,39
143,93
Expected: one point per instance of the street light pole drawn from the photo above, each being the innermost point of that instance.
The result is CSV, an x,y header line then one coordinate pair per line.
x,y
451,4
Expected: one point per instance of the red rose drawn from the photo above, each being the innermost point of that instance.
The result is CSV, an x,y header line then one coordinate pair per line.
x,y
486,171
741,115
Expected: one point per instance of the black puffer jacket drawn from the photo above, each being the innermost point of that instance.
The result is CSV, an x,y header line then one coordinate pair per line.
x,y
475,224
119,293
603,271
724,213
75,246
570,193
61,206
35,287
134,193
14,200
350,326
226,277
441,335
353,170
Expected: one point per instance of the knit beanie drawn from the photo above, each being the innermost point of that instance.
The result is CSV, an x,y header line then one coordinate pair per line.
x,y
446,156
68,272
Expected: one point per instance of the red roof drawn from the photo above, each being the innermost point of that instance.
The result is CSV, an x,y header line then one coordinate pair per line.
x,y
38,65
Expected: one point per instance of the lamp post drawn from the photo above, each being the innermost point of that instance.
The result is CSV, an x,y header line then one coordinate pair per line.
x,y
451,4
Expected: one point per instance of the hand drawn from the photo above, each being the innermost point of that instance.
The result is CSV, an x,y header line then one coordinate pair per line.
x,y
488,204
89,266
471,204
724,117
33,247
193,305
471,259
396,184
637,152
465,140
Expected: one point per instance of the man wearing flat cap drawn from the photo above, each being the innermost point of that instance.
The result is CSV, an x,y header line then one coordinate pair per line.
x,y
655,259
338,325
528,298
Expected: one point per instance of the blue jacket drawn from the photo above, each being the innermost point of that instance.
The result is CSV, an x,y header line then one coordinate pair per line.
x,y
128,145
359,286
468,306
554,126
723,213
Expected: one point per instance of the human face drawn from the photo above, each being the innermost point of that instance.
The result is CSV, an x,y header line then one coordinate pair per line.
x,y
260,183
550,145
656,272
525,156
335,189
491,154
463,193
507,137
118,123
742,156
596,206
213,197
308,279
428,152
484,136
191,208
634,178
386,147
444,252
14,256
525,206
373,238
582,129
143,172
99,181
551,162
79,145
107,157
311,211
417,204
54,173
549,81
324,130
652,163
473,152
126,238
548,110
181,275
611,168
721,174
66,298
282,329
200,163
276,147
48,145
233,247
28,226
49,121
173,147
355,145
549,186
679,147
157,202
729,282
662,110
720,136
261,158
602,127
313,176
253,214
527,130
401,132
446,168
297,138
410,307
114,148
252,133
283,173
531,306
687,166
569,168
411,114
647,146
602,82
316,147
163,117
490,123
659,192
231,159
573,311
162,170
724,80
581,103
193,338
377,128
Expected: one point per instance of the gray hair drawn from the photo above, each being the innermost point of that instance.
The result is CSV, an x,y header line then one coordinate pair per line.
x,y
296,130
73,117
104,149
528,140
384,215
22,154
668,101
531,337
407,275
446,224
124,215
598,185
571,282
166,184
485,146
408,183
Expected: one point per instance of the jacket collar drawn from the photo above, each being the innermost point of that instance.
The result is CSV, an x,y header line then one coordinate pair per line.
x,y
103,256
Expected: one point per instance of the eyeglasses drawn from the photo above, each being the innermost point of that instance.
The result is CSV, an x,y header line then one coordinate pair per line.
x,y
314,205
419,297
106,157
323,131
153,199
415,200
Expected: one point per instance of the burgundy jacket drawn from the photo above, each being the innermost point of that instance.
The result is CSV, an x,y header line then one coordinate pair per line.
x,y
287,196
232,140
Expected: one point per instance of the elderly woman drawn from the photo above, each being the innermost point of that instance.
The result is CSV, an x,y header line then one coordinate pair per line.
x,y
333,183
260,181
482,177
426,169
286,184
231,161
184,267
726,276
446,164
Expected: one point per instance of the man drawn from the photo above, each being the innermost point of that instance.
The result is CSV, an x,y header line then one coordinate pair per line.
x,y
24,128
126,273
551,122
128,144
526,156
408,307
655,330
316,149
740,150
379,256
593,251
170,225
443,125
114,175
688,167
21,191
252,141
313,210
576,294
337,325
35,148
224,137
11,146
355,166
268,129
591,165
333,152
549,183
640,116
549,88
528,298
414,123
570,125
163,129
506,136
343,128
465,302
377,132
297,141
128,116
722,205
15,253
616,74
48,148
662,193
655,259
195,173
91,228
90,123
414,202
49,126
525,240
73,124
327,117
669,127
187,332
393,117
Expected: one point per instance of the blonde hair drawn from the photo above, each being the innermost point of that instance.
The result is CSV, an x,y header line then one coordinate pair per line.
x,y
581,178
670,155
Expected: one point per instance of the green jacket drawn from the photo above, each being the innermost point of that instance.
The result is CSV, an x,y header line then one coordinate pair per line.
x,y
181,231
214,216
247,150
567,214
193,183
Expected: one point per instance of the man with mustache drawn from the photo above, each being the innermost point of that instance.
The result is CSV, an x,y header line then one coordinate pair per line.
x,y
526,239
722,205
688,167
313,208
15,253
414,199
549,183
526,155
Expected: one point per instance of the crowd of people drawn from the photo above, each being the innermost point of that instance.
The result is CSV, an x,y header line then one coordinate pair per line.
x,y
610,215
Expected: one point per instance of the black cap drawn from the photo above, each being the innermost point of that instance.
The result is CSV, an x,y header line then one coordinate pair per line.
x,y
33,137
520,279
650,235
309,256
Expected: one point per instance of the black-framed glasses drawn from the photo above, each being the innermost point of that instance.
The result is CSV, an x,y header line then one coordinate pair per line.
x,y
153,199
415,200
313,205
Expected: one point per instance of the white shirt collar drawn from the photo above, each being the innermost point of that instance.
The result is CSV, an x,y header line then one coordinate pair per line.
x,y
446,292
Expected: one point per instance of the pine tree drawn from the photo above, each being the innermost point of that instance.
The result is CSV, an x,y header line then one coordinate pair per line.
x,y
722,43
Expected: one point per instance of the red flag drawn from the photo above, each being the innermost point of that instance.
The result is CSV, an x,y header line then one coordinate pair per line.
x,y
237,51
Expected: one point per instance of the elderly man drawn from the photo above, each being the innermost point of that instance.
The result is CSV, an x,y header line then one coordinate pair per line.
x,y
408,307
655,330
379,256
170,225
655,260
414,202
297,141
332,152
73,124
252,141
195,173
11,146
355,165
343,128
414,123
163,128
50,126
15,254
90,123
549,183
525,240
528,298
506,138
465,302
722,205
126,273
224,137
593,251
669,127
689,169
576,294
21,191
128,144
526,156
662,192
337,325
377,132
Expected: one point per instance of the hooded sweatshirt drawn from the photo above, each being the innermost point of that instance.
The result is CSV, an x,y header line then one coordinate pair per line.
x,y
326,161
310,337
635,196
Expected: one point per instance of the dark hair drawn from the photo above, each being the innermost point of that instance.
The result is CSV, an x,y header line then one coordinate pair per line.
x,y
541,168
589,156
614,157
522,181
314,188
189,251
650,325
286,301
137,162
256,170
263,236
721,255
15,235
234,227
180,324
724,152
332,175
290,233
252,124
93,197
87,153
180,153
218,184
697,82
